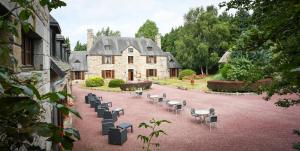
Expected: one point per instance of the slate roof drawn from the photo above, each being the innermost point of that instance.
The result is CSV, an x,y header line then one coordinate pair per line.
x,y
172,62
54,24
118,44
78,60
225,57
59,66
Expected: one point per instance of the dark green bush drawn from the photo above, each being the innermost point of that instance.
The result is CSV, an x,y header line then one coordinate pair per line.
x,y
237,86
185,73
115,83
242,69
136,85
94,82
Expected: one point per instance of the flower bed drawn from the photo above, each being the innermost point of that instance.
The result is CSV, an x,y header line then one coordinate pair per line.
x,y
136,85
236,86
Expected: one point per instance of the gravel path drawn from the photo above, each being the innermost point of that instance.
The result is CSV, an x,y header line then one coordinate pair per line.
x,y
245,123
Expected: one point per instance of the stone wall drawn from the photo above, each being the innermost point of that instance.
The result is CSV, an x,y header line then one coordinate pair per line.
x,y
41,69
121,66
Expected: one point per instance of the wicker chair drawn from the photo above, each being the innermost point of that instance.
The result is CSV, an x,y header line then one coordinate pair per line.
x,y
106,125
110,115
117,136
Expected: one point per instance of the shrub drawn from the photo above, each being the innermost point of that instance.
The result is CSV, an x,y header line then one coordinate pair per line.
x,y
185,73
115,83
237,86
137,85
94,82
242,69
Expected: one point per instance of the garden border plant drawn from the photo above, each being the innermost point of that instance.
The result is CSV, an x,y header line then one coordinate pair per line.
x,y
21,104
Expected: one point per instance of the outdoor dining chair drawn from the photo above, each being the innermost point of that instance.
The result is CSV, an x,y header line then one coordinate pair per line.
x,y
193,113
110,115
178,108
211,120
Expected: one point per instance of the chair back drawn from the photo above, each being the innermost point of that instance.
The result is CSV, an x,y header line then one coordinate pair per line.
x,y
192,111
164,95
211,111
107,115
184,103
160,99
213,118
179,106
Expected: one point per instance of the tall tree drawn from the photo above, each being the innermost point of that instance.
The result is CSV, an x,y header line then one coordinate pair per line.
x,y
108,32
203,38
278,22
148,30
80,47
67,41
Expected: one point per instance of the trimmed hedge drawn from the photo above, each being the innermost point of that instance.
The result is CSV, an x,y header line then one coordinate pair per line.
x,y
94,82
185,73
136,85
237,86
115,83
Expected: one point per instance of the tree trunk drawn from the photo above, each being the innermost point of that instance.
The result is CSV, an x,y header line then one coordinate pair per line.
x,y
201,69
206,70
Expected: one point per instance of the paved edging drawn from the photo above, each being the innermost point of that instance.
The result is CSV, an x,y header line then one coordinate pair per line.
x,y
228,93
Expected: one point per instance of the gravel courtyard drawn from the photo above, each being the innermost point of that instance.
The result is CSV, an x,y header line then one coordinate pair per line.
x,y
245,123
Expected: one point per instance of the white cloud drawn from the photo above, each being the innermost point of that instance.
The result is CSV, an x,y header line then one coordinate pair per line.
x,y
125,16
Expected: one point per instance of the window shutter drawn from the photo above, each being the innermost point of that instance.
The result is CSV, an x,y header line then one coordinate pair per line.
x,y
103,74
113,59
154,59
103,62
147,58
155,72
147,73
113,74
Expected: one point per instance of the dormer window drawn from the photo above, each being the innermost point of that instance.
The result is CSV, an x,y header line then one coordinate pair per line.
x,y
106,47
130,50
171,60
149,48
77,61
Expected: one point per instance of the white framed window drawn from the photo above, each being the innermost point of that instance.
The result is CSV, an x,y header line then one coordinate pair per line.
x,y
130,50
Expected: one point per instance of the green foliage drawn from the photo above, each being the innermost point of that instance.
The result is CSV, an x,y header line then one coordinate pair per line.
x,y
94,82
67,41
108,32
21,108
21,104
241,69
185,73
147,139
115,83
201,40
80,47
148,30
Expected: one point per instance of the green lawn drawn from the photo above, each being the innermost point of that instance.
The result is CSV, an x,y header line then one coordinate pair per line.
x,y
200,84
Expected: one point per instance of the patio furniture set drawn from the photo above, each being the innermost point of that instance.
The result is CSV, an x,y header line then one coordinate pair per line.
x,y
117,135
206,116
173,105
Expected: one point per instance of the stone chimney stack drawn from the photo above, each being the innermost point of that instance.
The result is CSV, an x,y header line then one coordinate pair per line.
x,y
158,40
90,39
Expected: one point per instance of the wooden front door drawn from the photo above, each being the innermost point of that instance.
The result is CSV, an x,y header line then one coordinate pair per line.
x,y
173,72
130,74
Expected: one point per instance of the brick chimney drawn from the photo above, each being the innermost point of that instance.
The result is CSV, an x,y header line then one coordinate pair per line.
x,y
90,39
158,40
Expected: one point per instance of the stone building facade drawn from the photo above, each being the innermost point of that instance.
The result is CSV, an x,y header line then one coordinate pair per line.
x,y
33,52
130,59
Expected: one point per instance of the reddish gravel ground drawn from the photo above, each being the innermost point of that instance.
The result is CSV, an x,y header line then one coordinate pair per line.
x,y
246,123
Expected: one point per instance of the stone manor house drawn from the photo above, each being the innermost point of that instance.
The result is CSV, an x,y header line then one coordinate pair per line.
x,y
130,59
41,54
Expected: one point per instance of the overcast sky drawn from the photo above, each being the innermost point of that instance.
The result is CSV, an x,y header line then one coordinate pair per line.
x,y
123,15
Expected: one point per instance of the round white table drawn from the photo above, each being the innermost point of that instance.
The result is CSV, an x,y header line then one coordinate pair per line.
x,y
173,102
202,112
154,96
